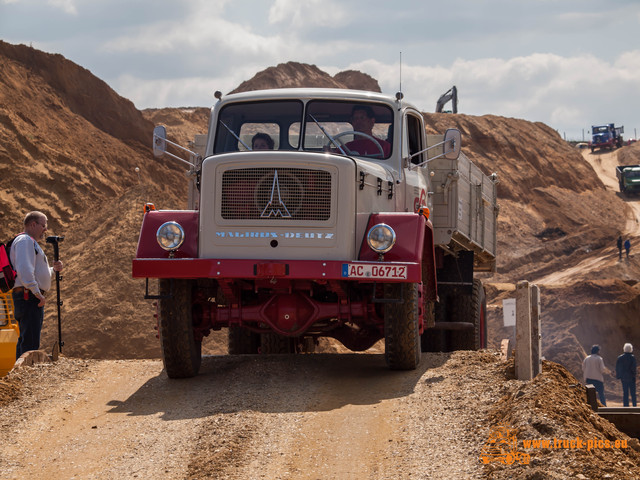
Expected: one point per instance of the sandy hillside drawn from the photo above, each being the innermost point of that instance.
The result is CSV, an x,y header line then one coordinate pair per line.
x,y
69,146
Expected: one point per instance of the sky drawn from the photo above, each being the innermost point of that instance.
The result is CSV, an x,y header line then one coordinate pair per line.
x,y
567,63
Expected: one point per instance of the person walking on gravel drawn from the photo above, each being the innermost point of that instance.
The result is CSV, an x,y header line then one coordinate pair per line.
x,y
626,372
592,369
33,279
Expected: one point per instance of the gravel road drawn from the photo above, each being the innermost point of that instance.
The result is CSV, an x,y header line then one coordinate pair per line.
x,y
322,416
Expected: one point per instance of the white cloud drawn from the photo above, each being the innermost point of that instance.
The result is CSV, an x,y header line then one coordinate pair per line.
x,y
202,28
300,15
562,63
67,6
566,93
173,92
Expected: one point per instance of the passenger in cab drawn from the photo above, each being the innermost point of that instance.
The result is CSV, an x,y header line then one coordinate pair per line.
x,y
262,141
363,120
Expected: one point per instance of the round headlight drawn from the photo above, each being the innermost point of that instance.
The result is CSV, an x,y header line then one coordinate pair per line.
x,y
381,238
170,236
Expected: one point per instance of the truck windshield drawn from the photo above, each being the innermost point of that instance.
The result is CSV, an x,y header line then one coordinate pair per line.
x,y
352,128
270,125
600,129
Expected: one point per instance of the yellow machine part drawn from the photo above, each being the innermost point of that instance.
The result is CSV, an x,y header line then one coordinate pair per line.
x,y
9,333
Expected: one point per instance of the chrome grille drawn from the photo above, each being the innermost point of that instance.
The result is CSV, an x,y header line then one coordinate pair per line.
x,y
276,193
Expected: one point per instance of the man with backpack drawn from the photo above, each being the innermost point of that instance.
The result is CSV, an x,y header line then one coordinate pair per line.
x,y
33,280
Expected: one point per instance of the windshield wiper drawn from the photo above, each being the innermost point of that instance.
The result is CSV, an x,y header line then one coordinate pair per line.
x,y
327,134
236,136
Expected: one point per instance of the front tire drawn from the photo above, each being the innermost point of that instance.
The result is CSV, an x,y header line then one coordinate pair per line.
x,y
181,353
401,329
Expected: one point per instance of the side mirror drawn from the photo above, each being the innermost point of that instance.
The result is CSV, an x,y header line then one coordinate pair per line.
x,y
452,143
159,141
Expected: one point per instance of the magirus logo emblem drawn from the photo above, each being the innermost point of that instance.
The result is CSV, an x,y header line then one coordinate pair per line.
x,y
275,207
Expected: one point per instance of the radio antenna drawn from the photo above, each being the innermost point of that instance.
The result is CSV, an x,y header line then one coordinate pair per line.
x,y
400,72
399,94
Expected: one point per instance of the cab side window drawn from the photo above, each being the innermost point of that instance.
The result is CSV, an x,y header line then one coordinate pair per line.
x,y
415,137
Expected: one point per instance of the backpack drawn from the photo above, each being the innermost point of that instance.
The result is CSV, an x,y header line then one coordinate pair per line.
x,y
7,273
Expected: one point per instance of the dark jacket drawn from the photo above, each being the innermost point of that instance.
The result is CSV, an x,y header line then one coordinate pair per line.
x,y
626,367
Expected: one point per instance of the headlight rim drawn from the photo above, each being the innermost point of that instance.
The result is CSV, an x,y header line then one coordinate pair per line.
x,y
159,237
391,243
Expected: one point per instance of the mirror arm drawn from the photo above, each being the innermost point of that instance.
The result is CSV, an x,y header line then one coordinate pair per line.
x,y
157,137
426,149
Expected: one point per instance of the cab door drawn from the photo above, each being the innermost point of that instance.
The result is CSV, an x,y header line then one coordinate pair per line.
x,y
416,172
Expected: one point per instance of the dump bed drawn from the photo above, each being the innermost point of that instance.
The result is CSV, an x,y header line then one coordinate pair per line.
x,y
626,168
465,208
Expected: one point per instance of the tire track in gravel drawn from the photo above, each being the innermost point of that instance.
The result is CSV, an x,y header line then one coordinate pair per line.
x,y
272,417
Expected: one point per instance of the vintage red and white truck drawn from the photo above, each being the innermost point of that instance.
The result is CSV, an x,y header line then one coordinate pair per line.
x,y
321,213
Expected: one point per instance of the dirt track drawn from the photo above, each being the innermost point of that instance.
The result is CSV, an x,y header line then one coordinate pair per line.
x,y
604,165
329,416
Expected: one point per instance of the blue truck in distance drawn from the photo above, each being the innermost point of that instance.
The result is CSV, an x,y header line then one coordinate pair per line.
x,y
606,136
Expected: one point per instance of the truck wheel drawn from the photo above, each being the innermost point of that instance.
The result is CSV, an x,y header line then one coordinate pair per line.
x,y
242,341
272,343
474,309
181,353
401,330
307,345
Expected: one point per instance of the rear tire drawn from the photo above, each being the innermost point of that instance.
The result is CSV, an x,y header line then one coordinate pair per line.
x,y
474,310
181,353
435,340
401,329
241,341
272,343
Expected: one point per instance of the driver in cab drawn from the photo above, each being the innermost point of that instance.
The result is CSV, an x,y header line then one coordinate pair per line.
x,y
363,120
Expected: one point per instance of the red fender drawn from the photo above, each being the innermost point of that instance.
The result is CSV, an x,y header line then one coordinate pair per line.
x,y
148,245
414,243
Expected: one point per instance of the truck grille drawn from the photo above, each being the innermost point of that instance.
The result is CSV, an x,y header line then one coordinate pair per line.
x,y
276,193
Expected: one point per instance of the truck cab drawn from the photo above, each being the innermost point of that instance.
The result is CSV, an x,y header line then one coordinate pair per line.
x,y
321,213
606,136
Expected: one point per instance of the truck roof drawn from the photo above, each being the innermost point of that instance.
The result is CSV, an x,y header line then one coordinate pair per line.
x,y
314,93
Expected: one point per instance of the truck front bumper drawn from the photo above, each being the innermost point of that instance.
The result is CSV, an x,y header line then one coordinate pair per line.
x,y
247,269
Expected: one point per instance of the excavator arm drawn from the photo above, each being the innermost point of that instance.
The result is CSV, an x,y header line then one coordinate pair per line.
x,y
451,94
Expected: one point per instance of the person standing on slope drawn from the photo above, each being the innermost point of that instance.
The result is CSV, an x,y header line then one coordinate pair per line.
x,y
627,246
626,373
620,247
592,369
33,279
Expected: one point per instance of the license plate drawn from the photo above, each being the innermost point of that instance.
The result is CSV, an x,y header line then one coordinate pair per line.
x,y
355,270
